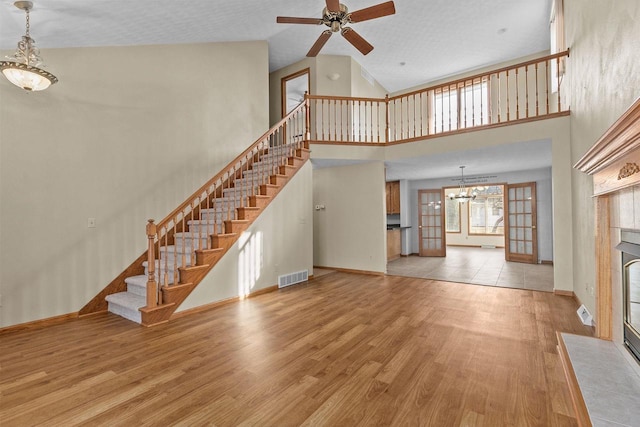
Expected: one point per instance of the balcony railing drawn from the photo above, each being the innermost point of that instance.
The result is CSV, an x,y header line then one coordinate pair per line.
x,y
523,92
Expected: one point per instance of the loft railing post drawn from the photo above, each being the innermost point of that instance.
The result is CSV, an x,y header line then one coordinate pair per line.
x,y
307,117
152,294
387,129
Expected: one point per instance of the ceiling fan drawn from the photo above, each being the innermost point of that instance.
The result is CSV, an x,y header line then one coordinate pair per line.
x,y
336,16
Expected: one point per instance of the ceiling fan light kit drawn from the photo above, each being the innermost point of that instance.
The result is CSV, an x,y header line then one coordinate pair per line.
x,y
22,69
336,16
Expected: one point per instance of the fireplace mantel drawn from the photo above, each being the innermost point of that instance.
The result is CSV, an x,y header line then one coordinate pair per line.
x,y
614,163
614,160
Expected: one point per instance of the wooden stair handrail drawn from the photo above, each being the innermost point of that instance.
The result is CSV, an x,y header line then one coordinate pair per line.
x,y
176,220
230,165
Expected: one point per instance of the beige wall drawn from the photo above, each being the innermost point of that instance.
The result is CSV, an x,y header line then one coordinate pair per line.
x,y
280,241
603,81
121,138
349,82
350,232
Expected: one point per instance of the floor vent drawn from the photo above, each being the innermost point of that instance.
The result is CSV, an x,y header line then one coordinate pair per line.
x,y
585,316
293,278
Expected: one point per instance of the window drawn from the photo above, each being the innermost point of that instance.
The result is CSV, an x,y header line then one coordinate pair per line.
x,y
452,218
461,106
486,212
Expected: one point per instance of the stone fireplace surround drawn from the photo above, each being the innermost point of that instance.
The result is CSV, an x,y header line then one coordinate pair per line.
x,y
603,377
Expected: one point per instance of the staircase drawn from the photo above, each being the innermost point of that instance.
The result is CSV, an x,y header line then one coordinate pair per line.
x,y
189,242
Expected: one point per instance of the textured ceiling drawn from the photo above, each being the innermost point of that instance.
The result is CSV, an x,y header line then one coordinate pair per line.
x,y
432,38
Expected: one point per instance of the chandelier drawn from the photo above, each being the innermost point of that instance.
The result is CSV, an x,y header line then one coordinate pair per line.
x,y
23,68
463,194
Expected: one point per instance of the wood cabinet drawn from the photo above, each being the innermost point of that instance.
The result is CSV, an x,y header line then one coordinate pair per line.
x,y
393,244
393,197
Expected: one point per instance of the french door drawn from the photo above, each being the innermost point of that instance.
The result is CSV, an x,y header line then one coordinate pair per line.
x,y
521,232
431,228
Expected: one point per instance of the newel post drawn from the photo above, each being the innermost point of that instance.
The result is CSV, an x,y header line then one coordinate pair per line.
x,y
386,130
152,293
307,117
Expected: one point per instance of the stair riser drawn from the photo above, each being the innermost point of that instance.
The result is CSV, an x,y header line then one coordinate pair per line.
x,y
134,316
190,244
218,215
206,230
239,194
173,262
137,290
160,278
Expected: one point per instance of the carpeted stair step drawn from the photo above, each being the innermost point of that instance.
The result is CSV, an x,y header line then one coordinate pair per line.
x,y
187,241
217,214
205,227
251,181
160,272
172,255
127,305
137,285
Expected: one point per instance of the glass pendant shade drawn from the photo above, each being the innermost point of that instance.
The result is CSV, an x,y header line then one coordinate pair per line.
x,y
27,77
22,69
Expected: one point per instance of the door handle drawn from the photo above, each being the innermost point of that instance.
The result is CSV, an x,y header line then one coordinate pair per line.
x,y
533,227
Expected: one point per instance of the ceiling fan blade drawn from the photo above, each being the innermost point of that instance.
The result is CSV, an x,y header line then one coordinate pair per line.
x,y
377,11
333,5
293,20
356,40
315,49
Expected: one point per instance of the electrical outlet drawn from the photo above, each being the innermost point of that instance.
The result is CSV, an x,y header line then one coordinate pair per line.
x,y
91,223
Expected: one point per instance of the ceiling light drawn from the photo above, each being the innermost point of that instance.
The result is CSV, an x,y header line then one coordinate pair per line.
x,y
22,69
463,194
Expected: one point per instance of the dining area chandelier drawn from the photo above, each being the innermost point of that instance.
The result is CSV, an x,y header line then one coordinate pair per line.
x,y
463,194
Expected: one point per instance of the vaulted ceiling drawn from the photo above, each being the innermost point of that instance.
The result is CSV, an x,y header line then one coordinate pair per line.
x,y
425,39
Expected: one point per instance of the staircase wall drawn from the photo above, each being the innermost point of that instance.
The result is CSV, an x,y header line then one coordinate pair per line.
x,y
280,241
121,138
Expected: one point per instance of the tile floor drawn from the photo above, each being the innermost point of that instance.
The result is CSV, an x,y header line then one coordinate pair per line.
x,y
478,266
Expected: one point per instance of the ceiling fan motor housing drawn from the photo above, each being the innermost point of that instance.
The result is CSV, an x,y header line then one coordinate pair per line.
x,y
335,20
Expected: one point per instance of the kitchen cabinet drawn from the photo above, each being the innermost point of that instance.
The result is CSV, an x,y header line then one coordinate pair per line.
x,y
393,197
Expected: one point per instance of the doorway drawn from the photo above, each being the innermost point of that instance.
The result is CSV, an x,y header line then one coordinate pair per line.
x,y
470,241
292,89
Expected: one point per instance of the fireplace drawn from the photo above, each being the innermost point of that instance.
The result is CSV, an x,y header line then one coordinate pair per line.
x,y
630,248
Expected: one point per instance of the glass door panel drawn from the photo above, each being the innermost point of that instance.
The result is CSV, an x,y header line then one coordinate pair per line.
x,y
431,225
522,230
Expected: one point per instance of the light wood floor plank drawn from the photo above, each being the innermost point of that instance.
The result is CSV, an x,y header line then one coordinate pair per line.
x,y
344,349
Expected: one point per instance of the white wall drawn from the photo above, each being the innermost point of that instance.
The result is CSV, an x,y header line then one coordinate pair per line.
x,y
542,178
350,232
121,138
280,241
602,81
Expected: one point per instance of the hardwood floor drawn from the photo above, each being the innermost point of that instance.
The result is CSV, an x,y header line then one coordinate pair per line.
x,y
343,350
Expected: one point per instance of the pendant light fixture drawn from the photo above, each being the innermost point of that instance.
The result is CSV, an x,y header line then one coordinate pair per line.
x,y
23,68
463,194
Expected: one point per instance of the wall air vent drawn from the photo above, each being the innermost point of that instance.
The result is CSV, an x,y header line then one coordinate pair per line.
x,y
293,278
